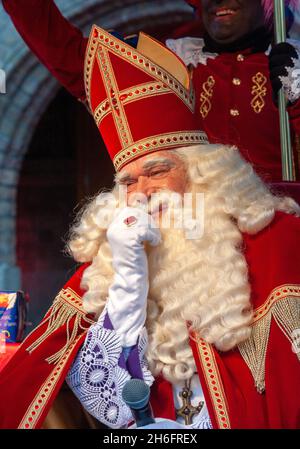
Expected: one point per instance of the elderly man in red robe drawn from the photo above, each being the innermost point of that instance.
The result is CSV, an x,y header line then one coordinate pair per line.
x,y
205,309
235,73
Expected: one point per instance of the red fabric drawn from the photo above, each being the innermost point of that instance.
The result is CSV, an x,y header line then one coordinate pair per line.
x,y
61,47
273,256
56,42
10,350
254,132
291,189
25,373
162,399
273,260
278,407
114,67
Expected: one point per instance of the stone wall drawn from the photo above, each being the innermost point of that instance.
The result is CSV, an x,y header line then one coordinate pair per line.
x,y
30,88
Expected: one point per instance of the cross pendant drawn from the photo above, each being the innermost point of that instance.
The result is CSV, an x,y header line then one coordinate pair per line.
x,y
188,411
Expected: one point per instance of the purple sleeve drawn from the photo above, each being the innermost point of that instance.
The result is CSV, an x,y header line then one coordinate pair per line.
x,y
101,370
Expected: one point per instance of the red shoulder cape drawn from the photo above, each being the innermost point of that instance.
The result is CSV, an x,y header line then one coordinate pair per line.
x,y
31,380
257,385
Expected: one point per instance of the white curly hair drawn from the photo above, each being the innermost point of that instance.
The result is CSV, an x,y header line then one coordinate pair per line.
x,y
201,283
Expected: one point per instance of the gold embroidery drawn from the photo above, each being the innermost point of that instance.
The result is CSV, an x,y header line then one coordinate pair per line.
x,y
134,93
113,96
100,46
102,111
168,60
259,91
66,307
205,103
120,48
277,294
214,382
284,306
162,141
44,394
89,62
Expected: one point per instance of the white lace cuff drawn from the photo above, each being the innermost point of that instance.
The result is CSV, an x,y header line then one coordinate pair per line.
x,y
100,371
291,82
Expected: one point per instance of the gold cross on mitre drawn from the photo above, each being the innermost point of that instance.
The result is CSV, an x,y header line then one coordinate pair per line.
x,y
188,411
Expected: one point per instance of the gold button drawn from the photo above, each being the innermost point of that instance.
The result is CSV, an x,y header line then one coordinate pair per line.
x,y
240,57
234,112
236,81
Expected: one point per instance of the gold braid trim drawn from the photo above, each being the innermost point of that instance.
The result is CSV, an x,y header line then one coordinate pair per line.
x,y
161,141
132,94
42,397
66,306
284,306
213,381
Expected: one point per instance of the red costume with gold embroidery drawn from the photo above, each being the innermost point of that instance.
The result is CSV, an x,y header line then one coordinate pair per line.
x,y
235,106
31,380
233,91
256,385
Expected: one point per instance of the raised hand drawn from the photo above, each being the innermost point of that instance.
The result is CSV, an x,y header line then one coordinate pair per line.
x,y
127,298
284,65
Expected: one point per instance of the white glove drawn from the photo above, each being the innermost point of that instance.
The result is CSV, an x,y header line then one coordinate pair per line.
x,y
127,297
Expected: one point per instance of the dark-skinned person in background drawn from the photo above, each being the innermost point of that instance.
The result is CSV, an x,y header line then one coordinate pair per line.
x,y
236,72
189,279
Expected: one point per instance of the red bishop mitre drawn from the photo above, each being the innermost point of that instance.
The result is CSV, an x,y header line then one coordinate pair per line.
x,y
142,99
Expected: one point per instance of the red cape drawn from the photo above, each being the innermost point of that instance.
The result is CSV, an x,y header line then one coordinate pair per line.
x,y
29,383
33,377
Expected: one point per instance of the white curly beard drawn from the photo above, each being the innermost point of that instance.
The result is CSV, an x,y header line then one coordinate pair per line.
x,y
190,282
201,282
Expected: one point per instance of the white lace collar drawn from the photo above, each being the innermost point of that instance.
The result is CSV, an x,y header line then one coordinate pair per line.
x,y
190,50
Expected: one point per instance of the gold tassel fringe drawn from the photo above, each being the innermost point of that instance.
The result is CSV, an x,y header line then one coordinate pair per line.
x,y
286,313
66,306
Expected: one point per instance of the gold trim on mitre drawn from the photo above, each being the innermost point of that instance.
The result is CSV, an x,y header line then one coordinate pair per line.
x,y
133,56
168,73
283,305
161,141
155,51
130,95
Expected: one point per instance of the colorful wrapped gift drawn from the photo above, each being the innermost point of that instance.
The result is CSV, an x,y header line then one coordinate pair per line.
x,y
13,312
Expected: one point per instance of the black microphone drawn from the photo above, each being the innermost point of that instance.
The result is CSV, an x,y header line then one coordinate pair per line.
x,y
136,394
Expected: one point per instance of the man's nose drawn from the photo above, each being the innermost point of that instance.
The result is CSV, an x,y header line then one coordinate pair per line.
x,y
144,186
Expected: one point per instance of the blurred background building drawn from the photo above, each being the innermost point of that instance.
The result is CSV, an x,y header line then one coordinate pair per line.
x,y
51,156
